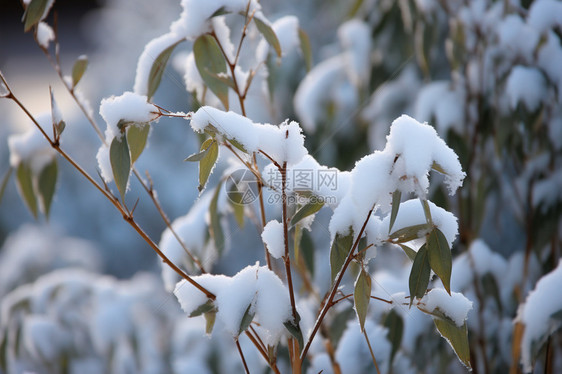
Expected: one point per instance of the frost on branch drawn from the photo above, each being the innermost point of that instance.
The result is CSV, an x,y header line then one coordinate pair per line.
x,y
254,293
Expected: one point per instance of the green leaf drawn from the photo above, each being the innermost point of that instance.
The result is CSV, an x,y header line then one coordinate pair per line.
x,y
409,251
24,181
438,168
215,227
47,184
269,35
210,63
220,12
247,319
137,136
210,318
305,211
78,69
157,70
33,13
426,211
396,198
409,233
204,308
305,48
339,251
440,258
419,275
205,148
5,180
207,163
457,337
362,296
395,325
120,164
295,330
307,246
236,200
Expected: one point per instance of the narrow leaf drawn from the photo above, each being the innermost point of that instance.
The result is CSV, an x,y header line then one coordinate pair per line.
x,y
408,251
339,251
205,147
207,164
33,13
78,69
157,70
409,233
247,319
4,183
120,164
269,35
426,211
362,296
220,12
305,48
210,63
419,275
24,181
203,308
295,330
47,184
307,249
236,200
395,325
137,136
396,198
305,211
215,224
438,168
210,318
440,258
457,337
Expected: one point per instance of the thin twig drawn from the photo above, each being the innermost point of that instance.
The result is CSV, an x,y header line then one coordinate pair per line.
x,y
371,350
242,357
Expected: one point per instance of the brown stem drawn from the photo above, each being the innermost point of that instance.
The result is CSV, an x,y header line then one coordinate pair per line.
x,y
124,212
242,357
286,257
335,287
371,350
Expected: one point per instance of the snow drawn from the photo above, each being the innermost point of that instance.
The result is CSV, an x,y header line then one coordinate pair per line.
x,y
45,34
43,338
31,147
353,352
195,20
192,230
454,306
104,163
287,31
195,85
526,85
222,31
355,38
545,15
410,213
516,36
284,143
310,95
272,236
442,101
253,287
550,59
129,107
536,314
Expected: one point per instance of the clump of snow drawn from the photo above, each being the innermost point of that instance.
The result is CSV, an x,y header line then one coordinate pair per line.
x,y
526,85
287,31
104,163
45,34
516,36
31,147
129,107
272,236
442,101
353,350
254,289
284,143
355,38
537,314
192,230
454,306
43,338
545,15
